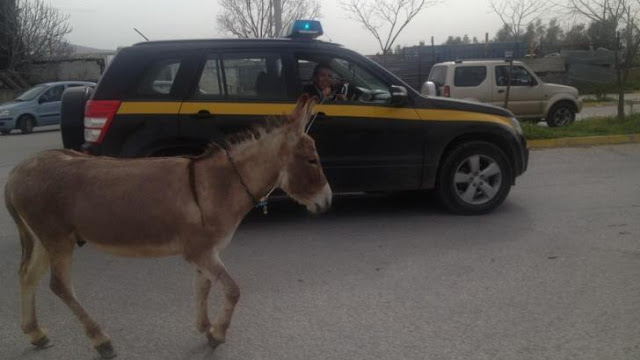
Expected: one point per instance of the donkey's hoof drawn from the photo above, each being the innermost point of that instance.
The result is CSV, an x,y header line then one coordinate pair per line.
x,y
213,342
42,343
106,350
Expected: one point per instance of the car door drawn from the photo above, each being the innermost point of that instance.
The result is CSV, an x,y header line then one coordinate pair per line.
x,y
234,90
48,107
525,95
365,143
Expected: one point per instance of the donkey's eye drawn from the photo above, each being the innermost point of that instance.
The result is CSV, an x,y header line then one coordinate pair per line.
x,y
313,161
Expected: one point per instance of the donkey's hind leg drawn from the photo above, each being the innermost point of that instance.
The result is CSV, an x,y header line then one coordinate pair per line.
x,y
31,272
62,287
213,268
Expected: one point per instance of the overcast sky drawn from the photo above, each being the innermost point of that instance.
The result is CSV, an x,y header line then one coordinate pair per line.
x,y
109,24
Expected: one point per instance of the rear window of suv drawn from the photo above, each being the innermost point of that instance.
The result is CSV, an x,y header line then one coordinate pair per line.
x,y
438,75
468,76
157,81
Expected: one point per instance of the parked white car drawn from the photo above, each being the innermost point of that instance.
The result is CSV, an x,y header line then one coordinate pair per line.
x,y
486,81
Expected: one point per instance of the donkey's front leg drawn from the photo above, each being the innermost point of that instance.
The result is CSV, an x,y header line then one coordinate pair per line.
x,y
212,267
202,286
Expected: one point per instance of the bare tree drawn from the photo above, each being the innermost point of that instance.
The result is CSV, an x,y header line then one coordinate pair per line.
x,y
36,30
7,14
517,14
624,15
255,18
385,19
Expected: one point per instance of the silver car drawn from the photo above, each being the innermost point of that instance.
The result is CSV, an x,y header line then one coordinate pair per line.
x,y
38,106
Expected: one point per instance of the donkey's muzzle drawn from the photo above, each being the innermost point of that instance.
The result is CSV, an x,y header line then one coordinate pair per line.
x,y
322,202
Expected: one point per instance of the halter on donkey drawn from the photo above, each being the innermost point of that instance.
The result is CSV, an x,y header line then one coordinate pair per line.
x,y
155,207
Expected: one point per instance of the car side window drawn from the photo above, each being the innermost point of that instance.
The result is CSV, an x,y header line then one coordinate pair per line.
x,y
158,80
52,95
350,79
469,76
210,83
519,76
254,77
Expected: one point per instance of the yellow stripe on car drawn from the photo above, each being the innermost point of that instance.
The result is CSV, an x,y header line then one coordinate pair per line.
x,y
149,108
379,112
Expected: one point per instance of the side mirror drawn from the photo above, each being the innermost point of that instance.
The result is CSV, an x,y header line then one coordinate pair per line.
x,y
42,100
429,88
399,95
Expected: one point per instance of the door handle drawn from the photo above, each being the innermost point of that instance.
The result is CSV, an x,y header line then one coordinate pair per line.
x,y
321,116
501,91
203,115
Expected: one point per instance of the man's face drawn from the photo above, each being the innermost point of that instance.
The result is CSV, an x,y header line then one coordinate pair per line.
x,y
323,78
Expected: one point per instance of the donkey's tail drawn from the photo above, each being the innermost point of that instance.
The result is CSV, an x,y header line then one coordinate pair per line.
x,y
26,238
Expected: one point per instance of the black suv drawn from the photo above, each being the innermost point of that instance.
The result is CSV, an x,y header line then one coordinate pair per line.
x,y
174,97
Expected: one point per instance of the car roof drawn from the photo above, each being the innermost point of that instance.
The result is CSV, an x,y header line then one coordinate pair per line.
x,y
263,43
477,62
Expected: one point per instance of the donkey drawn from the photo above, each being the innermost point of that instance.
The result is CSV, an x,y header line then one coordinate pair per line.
x,y
156,207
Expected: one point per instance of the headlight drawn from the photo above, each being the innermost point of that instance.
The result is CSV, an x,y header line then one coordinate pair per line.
x,y
516,125
5,112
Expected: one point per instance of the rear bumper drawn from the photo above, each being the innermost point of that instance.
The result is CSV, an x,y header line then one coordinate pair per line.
x,y
91,149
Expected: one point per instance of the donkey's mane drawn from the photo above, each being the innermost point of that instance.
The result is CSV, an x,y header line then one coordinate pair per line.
x,y
267,125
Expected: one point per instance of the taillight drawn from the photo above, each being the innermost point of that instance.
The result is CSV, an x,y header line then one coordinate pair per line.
x,y
98,115
447,91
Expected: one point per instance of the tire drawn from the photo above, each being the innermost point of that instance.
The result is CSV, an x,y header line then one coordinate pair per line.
x,y
26,124
561,114
474,179
5,132
72,116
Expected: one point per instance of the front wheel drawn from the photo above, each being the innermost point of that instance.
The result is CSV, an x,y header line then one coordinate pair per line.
x,y
561,114
474,179
26,124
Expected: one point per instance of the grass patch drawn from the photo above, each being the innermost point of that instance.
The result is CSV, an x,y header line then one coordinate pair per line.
x,y
599,100
588,127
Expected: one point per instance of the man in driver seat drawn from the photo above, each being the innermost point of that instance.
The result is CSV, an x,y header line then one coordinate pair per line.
x,y
322,85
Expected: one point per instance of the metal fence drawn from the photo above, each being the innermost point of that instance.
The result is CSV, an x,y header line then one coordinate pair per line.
x,y
581,68
413,64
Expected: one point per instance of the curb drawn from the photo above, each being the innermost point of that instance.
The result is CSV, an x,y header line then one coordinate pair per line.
x,y
583,141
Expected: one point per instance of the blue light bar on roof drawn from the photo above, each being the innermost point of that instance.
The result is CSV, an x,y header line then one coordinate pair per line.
x,y
304,29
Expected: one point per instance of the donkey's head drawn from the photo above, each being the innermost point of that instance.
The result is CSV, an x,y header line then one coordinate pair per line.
x,y
302,177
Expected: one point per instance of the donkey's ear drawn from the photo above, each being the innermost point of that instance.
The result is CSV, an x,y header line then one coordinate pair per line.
x,y
298,110
307,113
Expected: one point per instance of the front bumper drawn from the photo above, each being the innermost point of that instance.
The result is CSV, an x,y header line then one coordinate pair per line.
x,y
7,124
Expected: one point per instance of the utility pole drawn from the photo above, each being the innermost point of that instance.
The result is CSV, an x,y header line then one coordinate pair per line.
x,y
277,17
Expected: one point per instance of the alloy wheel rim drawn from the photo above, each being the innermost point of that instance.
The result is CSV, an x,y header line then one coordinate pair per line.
x,y
562,116
477,179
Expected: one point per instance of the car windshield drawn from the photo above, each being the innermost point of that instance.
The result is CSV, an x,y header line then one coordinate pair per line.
x,y
31,93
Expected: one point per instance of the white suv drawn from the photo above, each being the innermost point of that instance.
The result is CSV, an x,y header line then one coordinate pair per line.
x,y
486,81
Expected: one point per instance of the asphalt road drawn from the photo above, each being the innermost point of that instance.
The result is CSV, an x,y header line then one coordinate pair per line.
x,y
551,274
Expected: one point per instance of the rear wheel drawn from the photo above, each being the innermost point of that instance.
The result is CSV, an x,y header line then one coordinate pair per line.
x,y
474,179
26,124
5,132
